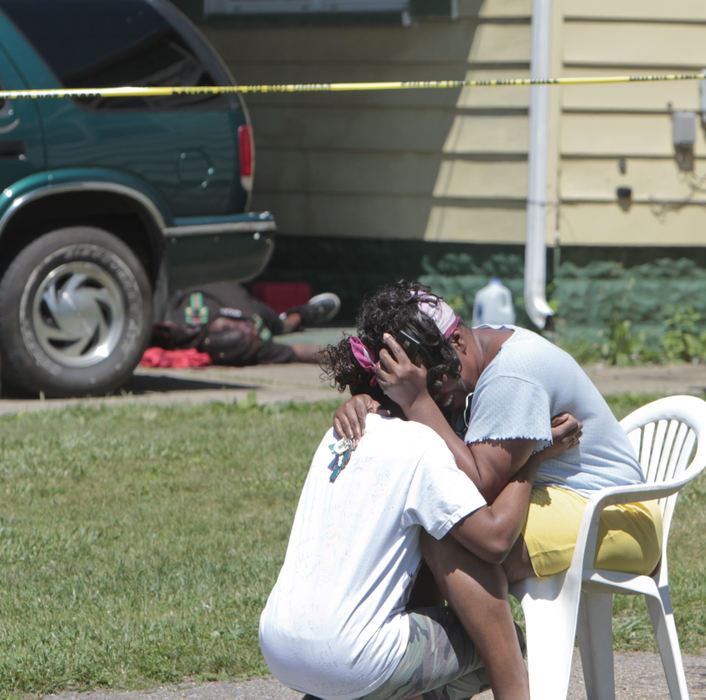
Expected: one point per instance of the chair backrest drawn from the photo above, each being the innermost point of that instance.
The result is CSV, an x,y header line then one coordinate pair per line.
x,y
669,438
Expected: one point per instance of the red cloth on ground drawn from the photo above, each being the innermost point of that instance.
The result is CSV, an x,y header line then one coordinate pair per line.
x,y
158,357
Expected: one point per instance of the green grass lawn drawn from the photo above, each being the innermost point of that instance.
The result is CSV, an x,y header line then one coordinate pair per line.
x,y
138,544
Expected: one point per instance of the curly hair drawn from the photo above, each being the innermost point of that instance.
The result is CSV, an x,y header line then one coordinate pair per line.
x,y
394,309
341,367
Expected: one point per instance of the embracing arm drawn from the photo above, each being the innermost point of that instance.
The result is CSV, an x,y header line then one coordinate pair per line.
x,y
490,465
502,470
491,531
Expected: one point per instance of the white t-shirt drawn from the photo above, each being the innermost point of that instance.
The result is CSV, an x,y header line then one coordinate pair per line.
x,y
334,625
529,381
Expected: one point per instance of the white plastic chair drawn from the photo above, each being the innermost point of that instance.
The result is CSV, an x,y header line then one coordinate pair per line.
x,y
669,436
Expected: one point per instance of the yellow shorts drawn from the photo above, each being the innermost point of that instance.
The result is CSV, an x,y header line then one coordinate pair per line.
x,y
629,536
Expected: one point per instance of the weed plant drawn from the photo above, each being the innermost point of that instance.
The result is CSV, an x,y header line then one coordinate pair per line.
x,y
681,339
138,544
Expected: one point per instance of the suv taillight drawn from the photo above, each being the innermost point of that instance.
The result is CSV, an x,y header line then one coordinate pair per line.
x,y
246,154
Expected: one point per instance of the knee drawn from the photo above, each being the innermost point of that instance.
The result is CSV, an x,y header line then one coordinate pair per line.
x,y
518,565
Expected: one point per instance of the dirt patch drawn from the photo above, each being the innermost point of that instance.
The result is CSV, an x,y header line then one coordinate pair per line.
x,y
660,379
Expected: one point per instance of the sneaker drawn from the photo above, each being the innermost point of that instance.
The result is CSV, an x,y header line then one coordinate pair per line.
x,y
319,309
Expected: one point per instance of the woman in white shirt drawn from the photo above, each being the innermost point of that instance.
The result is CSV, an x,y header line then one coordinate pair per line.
x,y
336,624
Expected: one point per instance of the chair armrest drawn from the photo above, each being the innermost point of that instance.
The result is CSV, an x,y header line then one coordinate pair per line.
x,y
632,493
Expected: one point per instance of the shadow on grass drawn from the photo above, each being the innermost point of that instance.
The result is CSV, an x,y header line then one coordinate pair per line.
x,y
144,384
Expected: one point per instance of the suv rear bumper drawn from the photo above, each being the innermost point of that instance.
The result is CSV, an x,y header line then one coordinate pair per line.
x,y
216,248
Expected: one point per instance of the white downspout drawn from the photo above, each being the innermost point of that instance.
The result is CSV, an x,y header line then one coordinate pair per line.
x,y
535,246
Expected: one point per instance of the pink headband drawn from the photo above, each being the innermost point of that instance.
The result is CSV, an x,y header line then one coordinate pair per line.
x,y
364,356
439,312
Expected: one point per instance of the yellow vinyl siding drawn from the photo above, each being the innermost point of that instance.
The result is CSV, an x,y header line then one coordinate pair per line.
x,y
504,98
493,9
398,217
429,42
632,97
608,135
476,223
483,178
451,165
475,134
366,174
636,44
642,225
342,129
447,165
679,10
602,124
653,181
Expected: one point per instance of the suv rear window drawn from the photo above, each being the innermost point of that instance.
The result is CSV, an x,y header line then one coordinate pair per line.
x,y
111,43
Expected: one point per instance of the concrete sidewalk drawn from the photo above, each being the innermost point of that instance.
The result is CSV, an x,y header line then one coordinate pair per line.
x,y
168,387
638,676
306,383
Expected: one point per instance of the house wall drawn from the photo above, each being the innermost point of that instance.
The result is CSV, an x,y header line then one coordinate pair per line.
x,y
621,135
450,165
368,187
639,259
372,186
435,165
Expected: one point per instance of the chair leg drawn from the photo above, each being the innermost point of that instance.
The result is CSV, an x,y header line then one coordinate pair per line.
x,y
595,633
550,609
668,643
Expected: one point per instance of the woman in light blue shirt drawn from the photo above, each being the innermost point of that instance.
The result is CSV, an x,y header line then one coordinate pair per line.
x,y
490,393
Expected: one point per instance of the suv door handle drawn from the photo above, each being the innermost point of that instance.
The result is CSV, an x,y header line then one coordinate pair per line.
x,y
12,149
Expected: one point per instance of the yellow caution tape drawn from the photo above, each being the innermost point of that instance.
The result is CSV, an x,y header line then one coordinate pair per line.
x,y
342,87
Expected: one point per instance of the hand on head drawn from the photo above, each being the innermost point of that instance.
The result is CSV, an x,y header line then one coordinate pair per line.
x,y
395,374
399,377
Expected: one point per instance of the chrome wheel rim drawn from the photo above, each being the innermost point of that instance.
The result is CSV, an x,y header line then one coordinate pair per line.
x,y
78,314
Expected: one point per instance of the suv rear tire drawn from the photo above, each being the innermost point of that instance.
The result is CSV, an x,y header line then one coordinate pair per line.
x,y
76,314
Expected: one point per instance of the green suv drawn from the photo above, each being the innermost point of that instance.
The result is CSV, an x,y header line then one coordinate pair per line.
x,y
108,204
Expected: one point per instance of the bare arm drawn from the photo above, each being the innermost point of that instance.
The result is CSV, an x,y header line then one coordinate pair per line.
x,y
491,531
349,417
490,465
503,469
